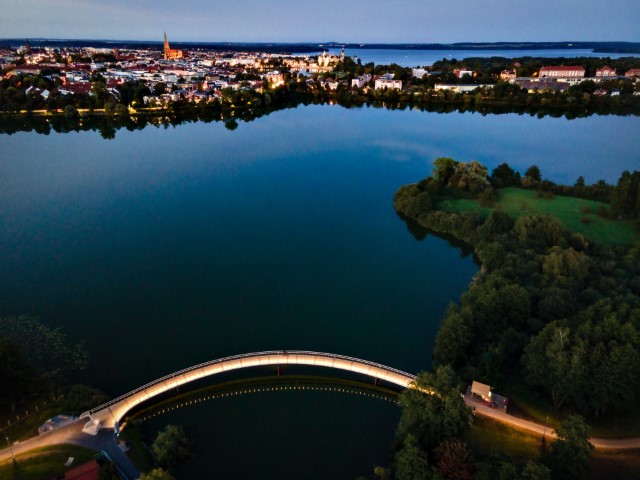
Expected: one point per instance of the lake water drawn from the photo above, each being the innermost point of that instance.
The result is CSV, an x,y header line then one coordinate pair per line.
x,y
168,247
421,58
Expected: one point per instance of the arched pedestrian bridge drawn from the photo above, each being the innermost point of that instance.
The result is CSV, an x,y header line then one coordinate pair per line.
x,y
111,413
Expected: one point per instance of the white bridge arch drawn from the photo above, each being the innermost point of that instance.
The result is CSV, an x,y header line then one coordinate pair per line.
x,y
111,413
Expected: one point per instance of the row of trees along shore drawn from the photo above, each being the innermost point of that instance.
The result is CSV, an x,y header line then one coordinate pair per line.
x,y
548,306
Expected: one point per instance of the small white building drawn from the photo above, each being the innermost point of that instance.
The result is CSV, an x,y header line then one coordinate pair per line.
x,y
387,81
419,72
361,81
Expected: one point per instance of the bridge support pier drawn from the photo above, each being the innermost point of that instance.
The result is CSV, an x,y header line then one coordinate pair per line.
x,y
278,370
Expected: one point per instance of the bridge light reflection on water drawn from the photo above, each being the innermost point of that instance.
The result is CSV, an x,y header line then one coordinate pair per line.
x,y
265,385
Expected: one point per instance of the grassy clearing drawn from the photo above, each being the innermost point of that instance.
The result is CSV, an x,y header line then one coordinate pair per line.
x,y
47,462
576,214
488,437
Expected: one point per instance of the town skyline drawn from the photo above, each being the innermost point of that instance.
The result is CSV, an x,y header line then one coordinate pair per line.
x,y
286,21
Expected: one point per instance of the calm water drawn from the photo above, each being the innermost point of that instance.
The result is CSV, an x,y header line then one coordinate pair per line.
x,y
419,58
164,248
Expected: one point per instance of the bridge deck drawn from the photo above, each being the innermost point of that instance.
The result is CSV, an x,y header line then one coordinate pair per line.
x,y
112,412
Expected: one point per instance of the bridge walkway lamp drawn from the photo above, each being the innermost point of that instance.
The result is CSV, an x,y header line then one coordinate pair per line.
x,y
545,426
11,448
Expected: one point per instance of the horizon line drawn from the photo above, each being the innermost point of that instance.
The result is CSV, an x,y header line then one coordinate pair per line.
x,y
308,42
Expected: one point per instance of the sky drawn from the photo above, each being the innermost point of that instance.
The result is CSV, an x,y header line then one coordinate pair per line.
x,y
354,21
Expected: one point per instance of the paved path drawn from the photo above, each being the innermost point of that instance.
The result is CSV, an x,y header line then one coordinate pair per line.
x,y
501,416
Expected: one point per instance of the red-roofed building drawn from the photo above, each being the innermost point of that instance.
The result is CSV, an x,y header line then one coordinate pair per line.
x,y
606,72
86,471
76,87
114,83
634,72
562,72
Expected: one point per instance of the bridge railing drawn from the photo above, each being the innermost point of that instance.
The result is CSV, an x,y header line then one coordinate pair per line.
x,y
239,357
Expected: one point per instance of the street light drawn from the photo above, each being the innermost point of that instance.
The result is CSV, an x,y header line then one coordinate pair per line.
x,y
11,448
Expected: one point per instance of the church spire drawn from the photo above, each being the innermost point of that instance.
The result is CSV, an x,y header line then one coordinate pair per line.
x,y
166,48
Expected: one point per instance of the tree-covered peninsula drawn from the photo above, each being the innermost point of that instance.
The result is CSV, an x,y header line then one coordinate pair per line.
x,y
552,319
551,308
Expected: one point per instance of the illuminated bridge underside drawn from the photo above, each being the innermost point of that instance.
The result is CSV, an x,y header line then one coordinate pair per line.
x,y
111,413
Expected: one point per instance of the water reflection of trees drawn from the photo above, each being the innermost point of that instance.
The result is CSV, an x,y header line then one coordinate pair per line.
x,y
420,233
184,112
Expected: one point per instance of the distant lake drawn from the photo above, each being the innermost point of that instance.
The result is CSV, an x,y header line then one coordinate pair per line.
x,y
420,58
163,248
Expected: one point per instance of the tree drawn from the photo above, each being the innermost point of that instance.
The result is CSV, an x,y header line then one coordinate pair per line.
x,y
625,198
121,110
539,231
100,92
472,177
70,112
160,88
497,223
17,376
411,462
535,471
433,417
171,446
453,340
503,176
571,453
443,169
547,360
231,124
454,460
157,474
532,177
48,350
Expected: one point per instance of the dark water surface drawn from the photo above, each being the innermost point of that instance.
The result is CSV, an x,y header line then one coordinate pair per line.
x,y
165,248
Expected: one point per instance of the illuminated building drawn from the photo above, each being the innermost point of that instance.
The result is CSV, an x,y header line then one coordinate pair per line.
x,y
168,53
